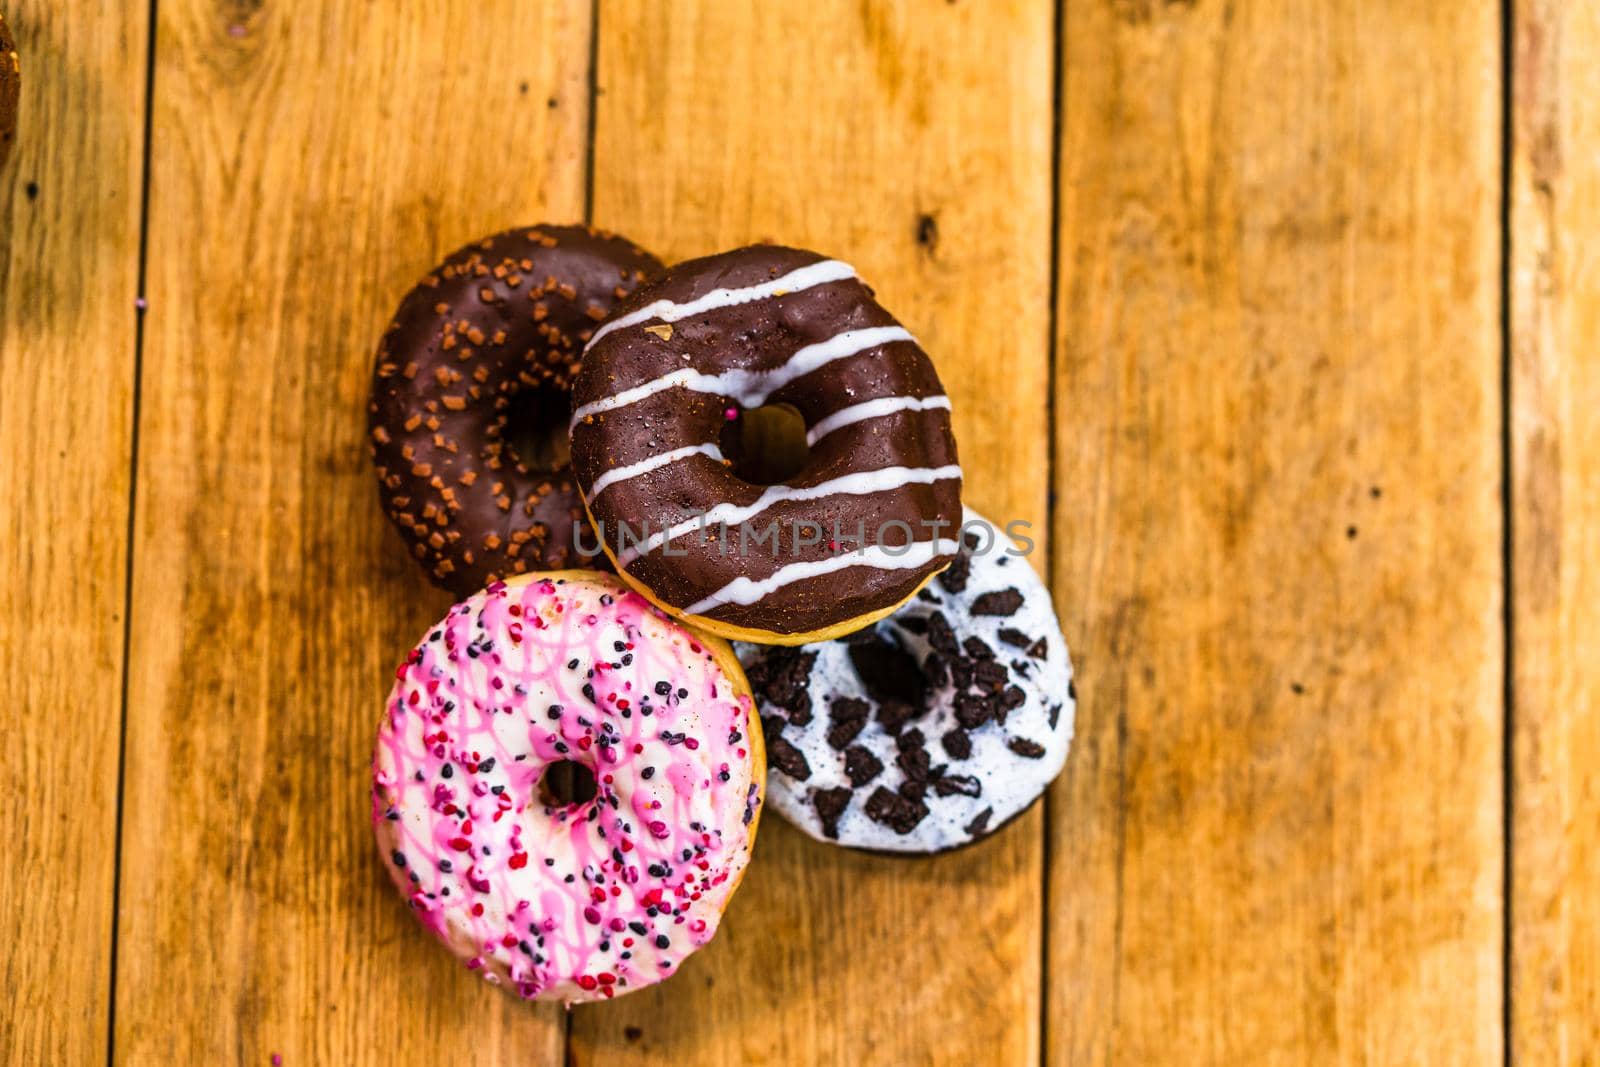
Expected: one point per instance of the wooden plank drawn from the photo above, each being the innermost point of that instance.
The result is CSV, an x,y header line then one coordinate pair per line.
x,y
913,140
1279,840
69,270
311,161
1555,441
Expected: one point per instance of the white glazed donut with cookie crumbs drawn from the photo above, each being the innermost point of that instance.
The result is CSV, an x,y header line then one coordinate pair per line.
x,y
936,726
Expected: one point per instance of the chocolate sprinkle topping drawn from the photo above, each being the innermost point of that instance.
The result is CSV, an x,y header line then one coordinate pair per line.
x,y
501,321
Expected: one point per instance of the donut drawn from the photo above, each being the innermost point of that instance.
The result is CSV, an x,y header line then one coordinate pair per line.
x,y
603,895
932,729
491,334
871,512
10,88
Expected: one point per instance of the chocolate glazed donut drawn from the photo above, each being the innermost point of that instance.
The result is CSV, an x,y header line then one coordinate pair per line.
x,y
10,86
871,515
502,318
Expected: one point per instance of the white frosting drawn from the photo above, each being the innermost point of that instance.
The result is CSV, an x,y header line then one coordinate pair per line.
x,y
873,409
751,388
655,462
829,270
879,557
1009,782
862,483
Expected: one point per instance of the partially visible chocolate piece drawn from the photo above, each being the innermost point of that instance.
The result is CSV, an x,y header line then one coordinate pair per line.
x,y
941,637
973,711
977,648
901,814
782,680
1023,747
954,577
499,323
957,744
861,766
848,716
990,676
913,763
1005,602
894,714
949,785
913,788
1015,638
830,804
980,823
782,755
10,89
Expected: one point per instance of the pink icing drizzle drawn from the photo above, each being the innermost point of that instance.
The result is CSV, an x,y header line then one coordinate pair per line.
x,y
580,901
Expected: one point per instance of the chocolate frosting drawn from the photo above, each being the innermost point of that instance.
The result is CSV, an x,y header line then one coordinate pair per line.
x,y
10,86
658,386
498,318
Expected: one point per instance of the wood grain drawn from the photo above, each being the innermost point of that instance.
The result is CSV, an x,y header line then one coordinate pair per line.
x,y
310,161
1555,464
914,141
69,268
1279,837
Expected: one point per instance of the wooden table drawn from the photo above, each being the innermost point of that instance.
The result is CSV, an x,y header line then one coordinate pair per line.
x,y
1278,317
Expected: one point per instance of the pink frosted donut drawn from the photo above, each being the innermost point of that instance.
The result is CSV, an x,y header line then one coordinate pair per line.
x,y
568,901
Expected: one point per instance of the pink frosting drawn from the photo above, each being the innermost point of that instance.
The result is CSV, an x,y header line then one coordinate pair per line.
x,y
566,901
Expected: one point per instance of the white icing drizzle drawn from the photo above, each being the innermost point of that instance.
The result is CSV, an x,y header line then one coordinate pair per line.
x,y
873,409
751,388
829,270
746,591
861,483
655,462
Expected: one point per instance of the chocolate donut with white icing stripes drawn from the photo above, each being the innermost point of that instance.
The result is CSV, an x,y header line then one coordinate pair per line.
x,y
932,729
866,521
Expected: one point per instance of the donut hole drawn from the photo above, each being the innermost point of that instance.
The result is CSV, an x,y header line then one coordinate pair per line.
x,y
766,444
567,782
536,429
